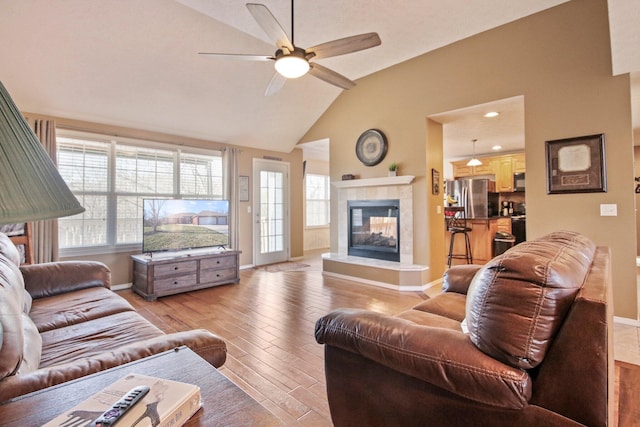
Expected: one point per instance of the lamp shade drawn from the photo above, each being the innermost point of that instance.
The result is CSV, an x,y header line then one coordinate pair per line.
x,y
31,188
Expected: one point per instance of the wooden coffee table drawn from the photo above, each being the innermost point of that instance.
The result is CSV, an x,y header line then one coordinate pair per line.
x,y
223,403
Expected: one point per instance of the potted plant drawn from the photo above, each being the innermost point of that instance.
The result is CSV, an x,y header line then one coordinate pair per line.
x,y
393,169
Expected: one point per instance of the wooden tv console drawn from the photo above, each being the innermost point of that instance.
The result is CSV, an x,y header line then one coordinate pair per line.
x,y
158,275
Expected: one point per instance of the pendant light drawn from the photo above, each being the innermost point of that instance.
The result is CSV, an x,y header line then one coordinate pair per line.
x,y
474,161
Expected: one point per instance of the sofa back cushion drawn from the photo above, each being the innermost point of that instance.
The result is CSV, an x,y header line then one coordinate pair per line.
x,y
518,300
12,305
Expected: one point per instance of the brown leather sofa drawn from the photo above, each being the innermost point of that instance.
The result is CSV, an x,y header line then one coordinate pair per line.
x,y
60,321
538,351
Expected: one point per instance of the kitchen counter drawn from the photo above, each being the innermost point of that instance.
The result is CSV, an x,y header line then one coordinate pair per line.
x,y
483,231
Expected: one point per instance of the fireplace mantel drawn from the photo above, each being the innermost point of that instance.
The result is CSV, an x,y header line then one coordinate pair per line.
x,y
375,182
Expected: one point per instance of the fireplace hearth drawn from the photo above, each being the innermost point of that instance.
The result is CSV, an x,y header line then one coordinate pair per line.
x,y
374,229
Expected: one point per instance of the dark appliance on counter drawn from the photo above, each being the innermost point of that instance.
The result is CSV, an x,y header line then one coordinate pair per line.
x,y
474,196
518,181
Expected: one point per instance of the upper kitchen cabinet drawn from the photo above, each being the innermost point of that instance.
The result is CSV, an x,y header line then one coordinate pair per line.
x,y
518,163
504,175
503,167
460,169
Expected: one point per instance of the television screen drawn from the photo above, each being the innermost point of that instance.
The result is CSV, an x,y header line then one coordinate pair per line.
x,y
172,224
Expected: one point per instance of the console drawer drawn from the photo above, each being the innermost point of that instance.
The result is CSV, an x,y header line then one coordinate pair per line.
x,y
219,262
211,276
183,267
178,282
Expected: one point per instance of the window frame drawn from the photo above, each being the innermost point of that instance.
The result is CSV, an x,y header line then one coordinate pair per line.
x,y
326,201
111,194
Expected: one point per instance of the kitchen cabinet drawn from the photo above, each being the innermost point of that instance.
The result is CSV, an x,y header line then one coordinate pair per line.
x,y
460,169
503,167
518,163
504,175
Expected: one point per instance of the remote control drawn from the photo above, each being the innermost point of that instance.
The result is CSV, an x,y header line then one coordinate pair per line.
x,y
126,402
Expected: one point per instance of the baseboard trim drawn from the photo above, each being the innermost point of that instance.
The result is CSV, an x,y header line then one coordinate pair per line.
x,y
626,321
121,287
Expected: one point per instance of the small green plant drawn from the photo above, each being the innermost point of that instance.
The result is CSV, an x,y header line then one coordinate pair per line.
x,y
393,167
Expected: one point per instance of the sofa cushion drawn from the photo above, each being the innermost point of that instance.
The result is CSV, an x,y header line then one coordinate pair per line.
x,y
76,307
12,306
32,347
451,305
91,338
518,300
8,250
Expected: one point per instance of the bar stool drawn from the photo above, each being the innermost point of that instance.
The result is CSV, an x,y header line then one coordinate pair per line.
x,y
456,220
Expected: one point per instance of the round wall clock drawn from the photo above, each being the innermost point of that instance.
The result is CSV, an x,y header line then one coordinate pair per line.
x,y
371,147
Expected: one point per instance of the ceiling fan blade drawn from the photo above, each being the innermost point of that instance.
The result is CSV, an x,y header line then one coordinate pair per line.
x,y
330,76
345,45
241,57
270,25
275,84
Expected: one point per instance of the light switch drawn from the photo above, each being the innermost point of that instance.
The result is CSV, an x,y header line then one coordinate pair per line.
x,y
439,209
609,210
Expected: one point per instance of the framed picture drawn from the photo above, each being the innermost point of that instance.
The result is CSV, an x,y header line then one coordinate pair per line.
x,y
243,188
435,182
576,165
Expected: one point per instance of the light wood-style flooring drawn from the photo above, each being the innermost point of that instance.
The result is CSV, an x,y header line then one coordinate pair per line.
x,y
268,323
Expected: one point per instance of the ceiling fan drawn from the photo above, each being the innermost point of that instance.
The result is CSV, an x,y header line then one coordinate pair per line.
x,y
292,61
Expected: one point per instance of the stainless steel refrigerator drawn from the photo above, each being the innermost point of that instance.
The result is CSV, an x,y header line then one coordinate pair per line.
x,y
474,196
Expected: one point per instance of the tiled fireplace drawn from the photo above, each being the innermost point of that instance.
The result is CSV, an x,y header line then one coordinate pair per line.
x,y
396,271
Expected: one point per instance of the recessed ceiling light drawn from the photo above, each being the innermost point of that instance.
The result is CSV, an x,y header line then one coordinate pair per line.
x,y
496,147
492,114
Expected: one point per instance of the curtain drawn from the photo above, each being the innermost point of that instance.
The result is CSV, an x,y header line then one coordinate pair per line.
x,y
45,233
230,159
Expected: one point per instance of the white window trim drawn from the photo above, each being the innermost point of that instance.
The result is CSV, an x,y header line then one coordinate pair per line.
x,y
111,218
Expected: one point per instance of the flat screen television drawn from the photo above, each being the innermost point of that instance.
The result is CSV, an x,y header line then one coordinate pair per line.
x,y
179,224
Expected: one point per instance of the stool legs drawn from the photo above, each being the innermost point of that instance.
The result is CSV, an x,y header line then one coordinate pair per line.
x,y
467,249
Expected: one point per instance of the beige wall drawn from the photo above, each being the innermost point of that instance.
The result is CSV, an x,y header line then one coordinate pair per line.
x,y
560,61
120,263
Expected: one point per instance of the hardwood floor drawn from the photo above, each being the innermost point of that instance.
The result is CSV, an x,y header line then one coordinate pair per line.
x,y
268,322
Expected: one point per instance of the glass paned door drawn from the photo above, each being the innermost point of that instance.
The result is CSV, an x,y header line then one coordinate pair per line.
x,y
271,212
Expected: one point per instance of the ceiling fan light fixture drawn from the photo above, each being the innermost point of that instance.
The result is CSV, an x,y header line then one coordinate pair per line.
x,y
292,66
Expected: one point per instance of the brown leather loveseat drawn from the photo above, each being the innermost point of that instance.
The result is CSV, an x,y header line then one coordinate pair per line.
x,y
60,321
538,350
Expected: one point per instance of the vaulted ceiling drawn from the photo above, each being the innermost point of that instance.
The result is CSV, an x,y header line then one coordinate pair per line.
x,y
135,63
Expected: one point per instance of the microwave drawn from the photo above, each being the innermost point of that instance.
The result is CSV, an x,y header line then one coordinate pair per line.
x,y
518,181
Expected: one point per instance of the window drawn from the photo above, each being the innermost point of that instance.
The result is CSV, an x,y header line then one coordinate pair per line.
x,y
111,178
317,200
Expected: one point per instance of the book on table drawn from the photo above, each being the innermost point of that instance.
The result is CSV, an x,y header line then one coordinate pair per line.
x,y
168,403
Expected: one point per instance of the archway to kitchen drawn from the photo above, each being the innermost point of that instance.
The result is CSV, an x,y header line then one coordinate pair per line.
x,y
498,138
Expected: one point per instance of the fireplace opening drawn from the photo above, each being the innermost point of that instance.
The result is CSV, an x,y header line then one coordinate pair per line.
x,y
374,229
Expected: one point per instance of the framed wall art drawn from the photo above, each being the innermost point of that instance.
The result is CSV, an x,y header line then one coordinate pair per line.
x,y
435,182
576,165
243,188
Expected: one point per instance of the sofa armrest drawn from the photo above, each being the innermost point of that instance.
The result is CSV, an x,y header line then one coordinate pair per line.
x,y
52,278
204,343
458,278
442,357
